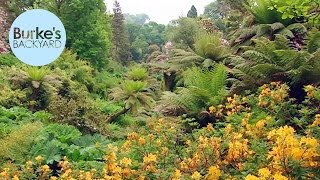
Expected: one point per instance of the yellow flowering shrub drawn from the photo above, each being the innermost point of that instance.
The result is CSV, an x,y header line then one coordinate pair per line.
x,y
249,141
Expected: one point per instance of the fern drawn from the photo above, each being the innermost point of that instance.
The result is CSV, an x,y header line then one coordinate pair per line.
x,y
313,41
276,60
202,88
210,46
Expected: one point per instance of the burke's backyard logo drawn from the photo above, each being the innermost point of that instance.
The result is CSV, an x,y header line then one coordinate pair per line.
x,y
37,37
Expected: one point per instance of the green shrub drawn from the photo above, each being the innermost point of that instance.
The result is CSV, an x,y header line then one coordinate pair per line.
x,y
8,60
16,145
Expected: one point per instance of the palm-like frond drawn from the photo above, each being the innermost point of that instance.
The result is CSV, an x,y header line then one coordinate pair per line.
x,y
210,46
36,74
202,87
137,73
276,60
134,94
313,41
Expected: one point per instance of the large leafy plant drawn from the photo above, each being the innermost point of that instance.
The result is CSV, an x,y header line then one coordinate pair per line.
x,y
307,10
134,94
210,46
263,14
202,88
278,61
56,141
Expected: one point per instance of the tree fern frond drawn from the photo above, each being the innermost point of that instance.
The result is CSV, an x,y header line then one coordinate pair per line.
x,y
256,57
313,41
219,82
281,42
266,70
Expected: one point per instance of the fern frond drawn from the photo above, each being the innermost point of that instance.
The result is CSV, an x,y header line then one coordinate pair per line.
x,y
281,42
256,57
313,41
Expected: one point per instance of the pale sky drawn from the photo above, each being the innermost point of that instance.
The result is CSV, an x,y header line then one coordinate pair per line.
x,y
161,11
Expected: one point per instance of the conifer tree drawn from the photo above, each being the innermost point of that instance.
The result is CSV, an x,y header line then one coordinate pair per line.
x,y
120,38
193,13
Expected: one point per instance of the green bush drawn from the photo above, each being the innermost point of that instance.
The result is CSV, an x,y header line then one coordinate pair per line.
x,y
8,60
17,144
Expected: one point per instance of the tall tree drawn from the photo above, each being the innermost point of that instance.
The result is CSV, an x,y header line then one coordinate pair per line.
x,y
193,13
17,7
120,38
92,41
216,10
139,19
183,31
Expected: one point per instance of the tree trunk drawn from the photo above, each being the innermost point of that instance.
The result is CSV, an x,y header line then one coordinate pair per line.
x,y
113,117
169,80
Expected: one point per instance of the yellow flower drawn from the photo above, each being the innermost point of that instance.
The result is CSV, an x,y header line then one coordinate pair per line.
x,y
158,142
15,177
66,174
188,142
126,145
53,178
196,175
310,90
141,141
5,172
278,176
39,159
125,162
260,124
210,127
264,172
212,109
149,158
126,172
29,163
176,175
132,136
165,151
45,168
228,128
251,177
88,176
214,173
316,122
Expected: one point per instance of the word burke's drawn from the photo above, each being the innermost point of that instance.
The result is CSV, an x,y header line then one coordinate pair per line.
x,y
36,34
43,39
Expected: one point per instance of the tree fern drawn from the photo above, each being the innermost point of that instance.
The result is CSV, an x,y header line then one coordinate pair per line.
x,y
313,41
210,46
276,60
202,88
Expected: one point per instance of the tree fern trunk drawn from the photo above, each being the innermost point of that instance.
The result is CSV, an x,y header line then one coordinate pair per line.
x,y
169,81
113,117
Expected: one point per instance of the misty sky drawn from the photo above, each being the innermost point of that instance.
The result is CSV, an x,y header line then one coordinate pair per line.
x,y
161,11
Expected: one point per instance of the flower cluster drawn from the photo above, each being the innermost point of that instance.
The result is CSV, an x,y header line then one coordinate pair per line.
x,y
287,148
273,94
246,143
